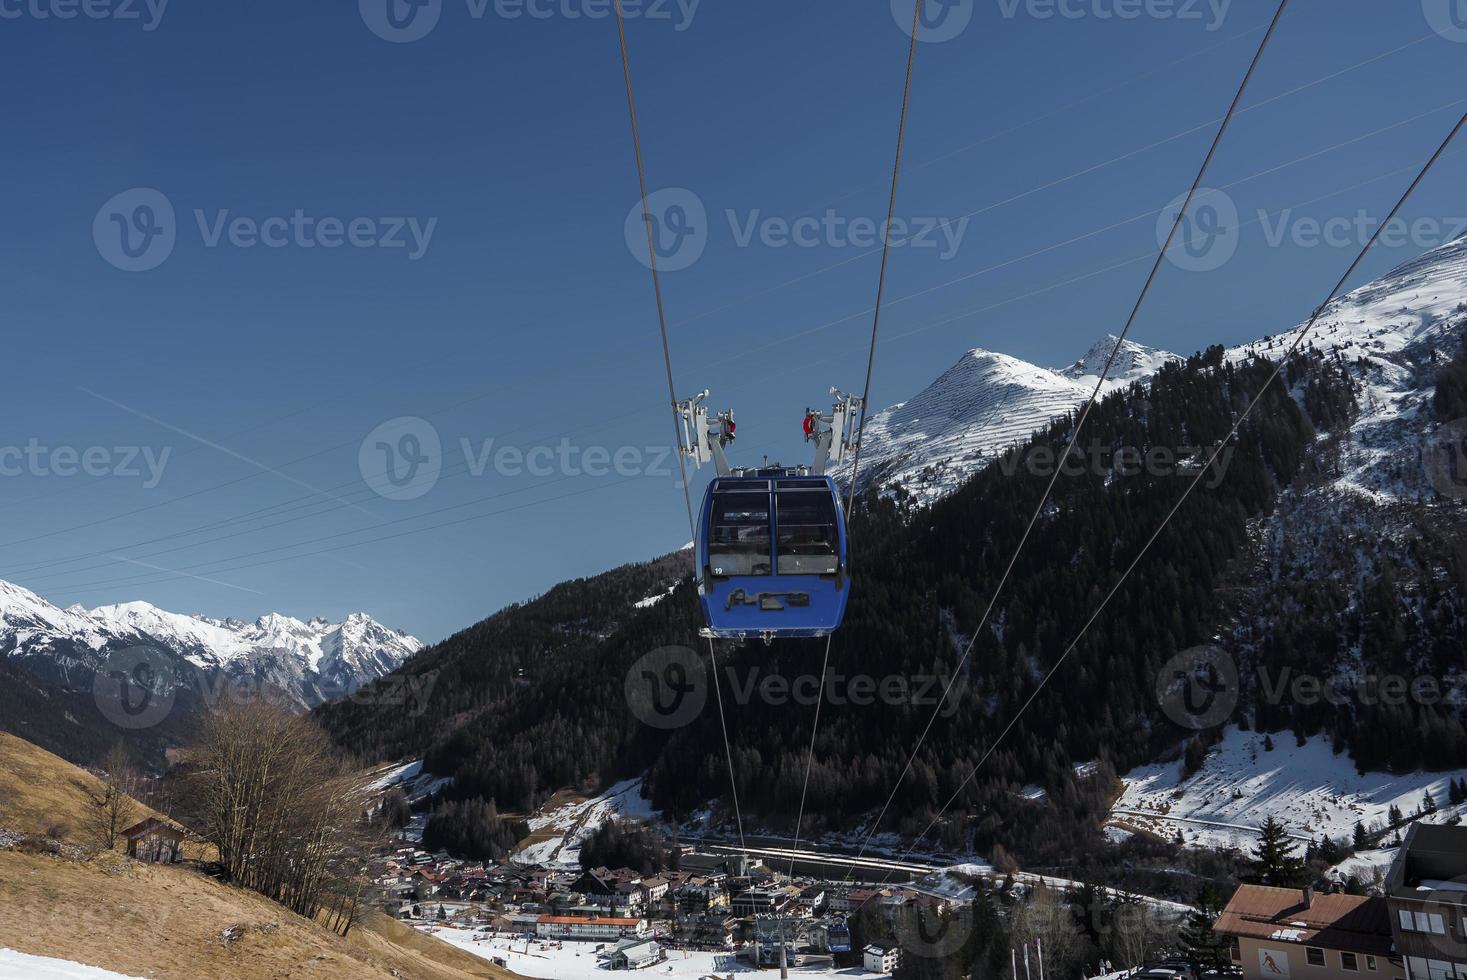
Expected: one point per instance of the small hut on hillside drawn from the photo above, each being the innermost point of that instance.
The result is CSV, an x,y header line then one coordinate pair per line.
x,y
155,841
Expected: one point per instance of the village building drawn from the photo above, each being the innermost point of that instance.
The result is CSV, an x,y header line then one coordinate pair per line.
x,y
1295,934
1416,931
697,896
653,890
599,929
880,959
1426,892
759,901
635,954
709,930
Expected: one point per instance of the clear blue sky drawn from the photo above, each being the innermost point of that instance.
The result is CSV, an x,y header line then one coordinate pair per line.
x,y
526,317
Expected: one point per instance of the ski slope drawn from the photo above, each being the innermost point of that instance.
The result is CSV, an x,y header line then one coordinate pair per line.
x,y
1307,788
557,833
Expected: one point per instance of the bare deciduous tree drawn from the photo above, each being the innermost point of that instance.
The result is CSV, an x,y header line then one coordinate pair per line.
x,y
1046,917
112,806
283,809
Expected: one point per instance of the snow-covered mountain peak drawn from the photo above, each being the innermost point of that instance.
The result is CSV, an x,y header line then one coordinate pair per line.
x,y
314,659
1133,362
984,403
276,624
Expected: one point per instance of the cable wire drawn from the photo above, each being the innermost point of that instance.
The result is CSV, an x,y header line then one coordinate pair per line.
x,y
626,70
1084,413
1283,360
896,172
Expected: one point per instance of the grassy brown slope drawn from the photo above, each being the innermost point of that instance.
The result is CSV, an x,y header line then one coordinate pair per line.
x,y
39,790
167,921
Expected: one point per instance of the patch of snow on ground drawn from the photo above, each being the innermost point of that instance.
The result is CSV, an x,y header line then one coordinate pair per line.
x,y
1307,788
397,774
653,600
576,821
577,960
23,966
1384,331
410,777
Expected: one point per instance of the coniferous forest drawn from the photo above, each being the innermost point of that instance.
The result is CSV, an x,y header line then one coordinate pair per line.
x,y
532,699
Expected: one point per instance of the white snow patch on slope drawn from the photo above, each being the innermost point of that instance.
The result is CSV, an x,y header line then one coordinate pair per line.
x,y
576,821
415,783
1384,331
23,966
1307,788
653,600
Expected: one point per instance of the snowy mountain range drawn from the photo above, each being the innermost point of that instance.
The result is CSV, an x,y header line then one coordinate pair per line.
x,y
987,401
308,661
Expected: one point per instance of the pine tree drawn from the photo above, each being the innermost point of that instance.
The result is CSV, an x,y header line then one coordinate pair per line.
x,y
1204,948
1274,861
1428,803
989,946
1361,838
1394,815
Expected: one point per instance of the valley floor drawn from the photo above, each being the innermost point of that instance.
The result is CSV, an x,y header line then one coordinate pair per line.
x,y
577,961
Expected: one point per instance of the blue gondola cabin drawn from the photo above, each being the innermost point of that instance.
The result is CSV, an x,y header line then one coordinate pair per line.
x,y
772,555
